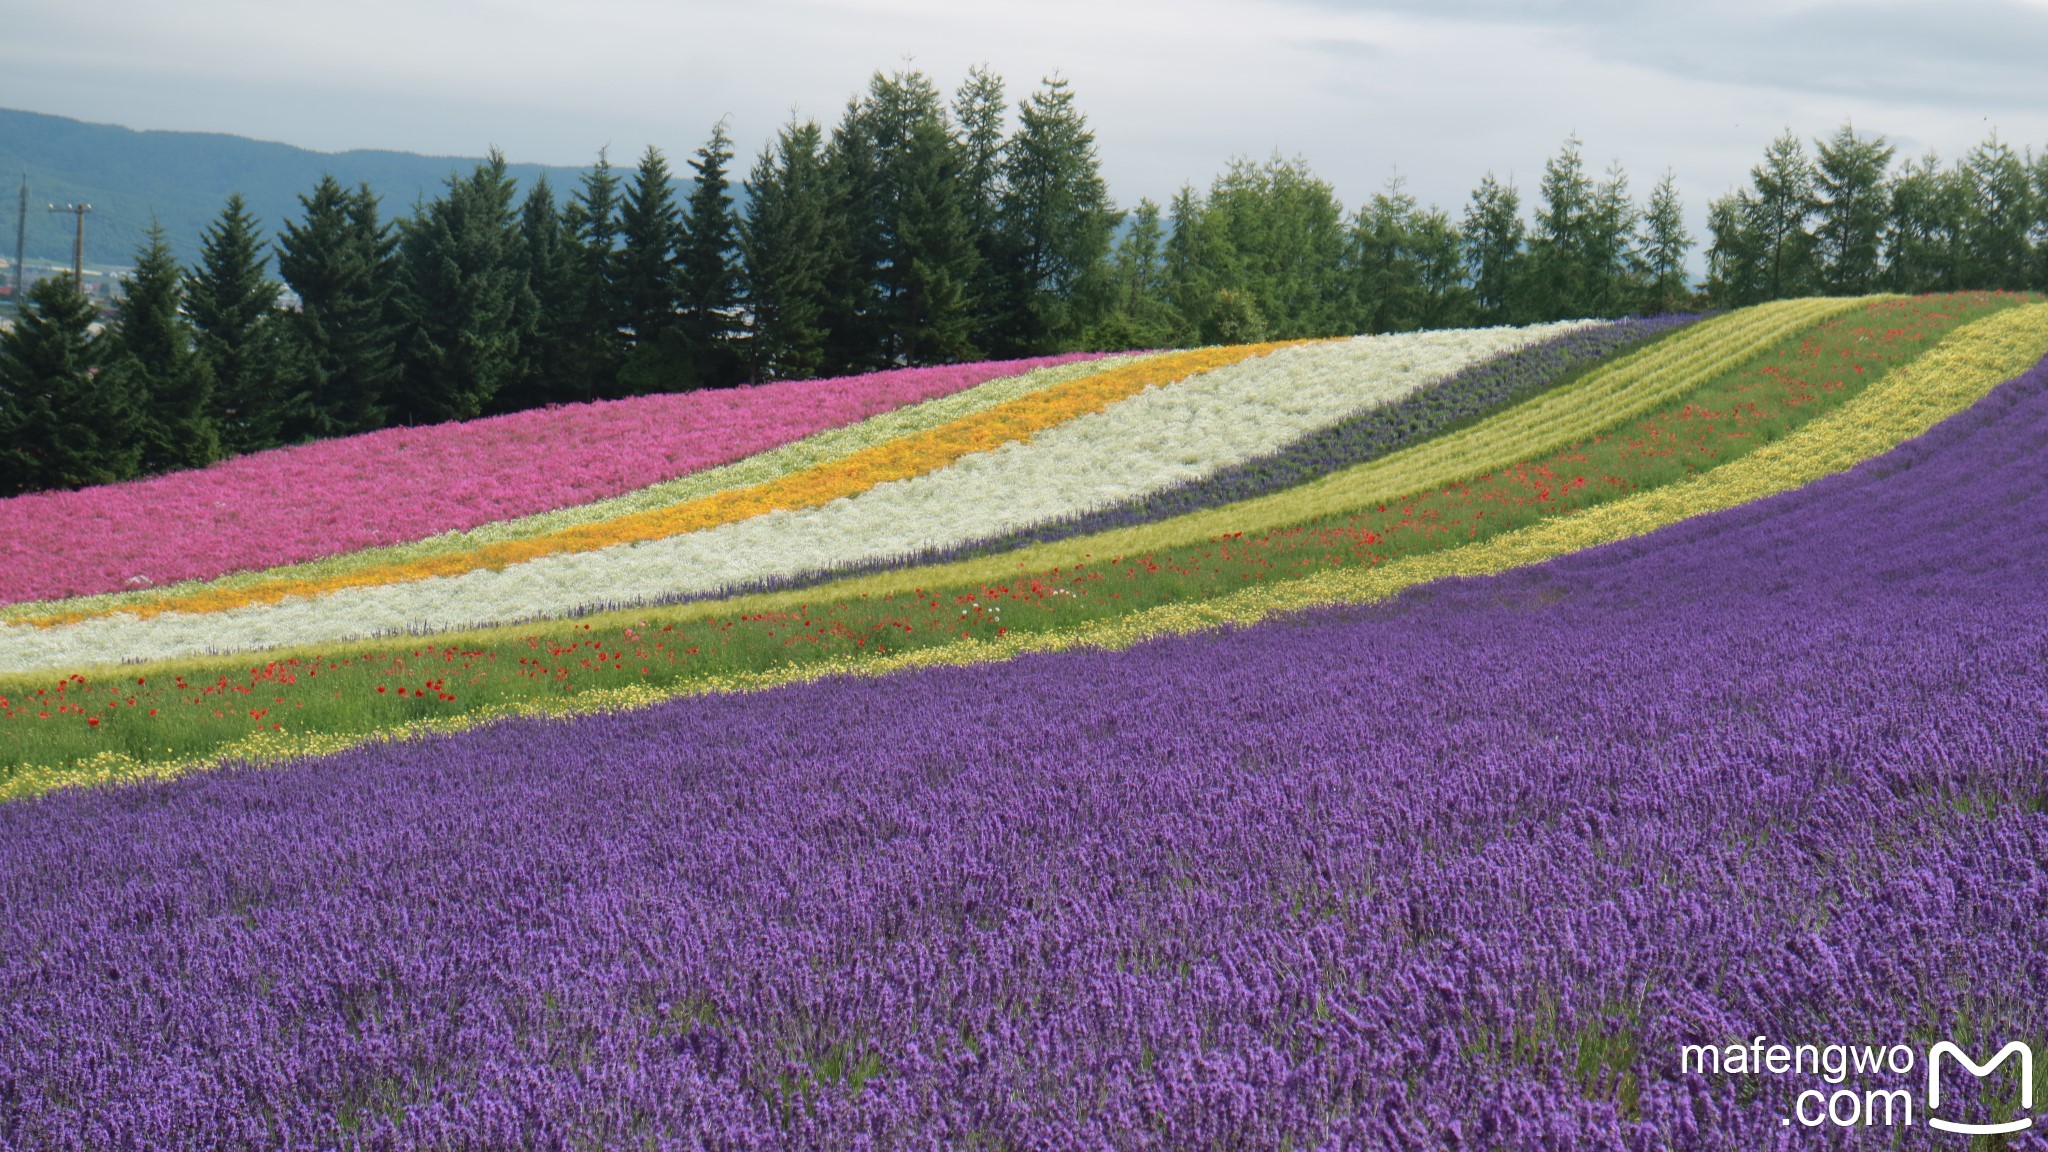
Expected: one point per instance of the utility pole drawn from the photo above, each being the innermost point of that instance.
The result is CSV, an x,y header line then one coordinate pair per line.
x,y
20,246
78,245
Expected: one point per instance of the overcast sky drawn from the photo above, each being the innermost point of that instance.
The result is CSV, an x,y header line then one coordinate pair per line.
x,y
1440,91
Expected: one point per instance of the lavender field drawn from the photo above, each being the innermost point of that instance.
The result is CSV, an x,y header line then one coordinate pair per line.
x,y
1461,871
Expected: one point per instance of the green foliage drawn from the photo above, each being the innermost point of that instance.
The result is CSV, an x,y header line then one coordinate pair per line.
x,y
547,370
2001,215
1274,234
233,306
1493,238
709,266
593,347
1926,244
65,422
1582,246
788,252
340,261
1850,203
163,373
648,283
1660,262
1140,315
1056,223
907,260
461,298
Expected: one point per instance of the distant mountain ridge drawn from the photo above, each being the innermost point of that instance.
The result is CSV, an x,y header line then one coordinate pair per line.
x,y
183,178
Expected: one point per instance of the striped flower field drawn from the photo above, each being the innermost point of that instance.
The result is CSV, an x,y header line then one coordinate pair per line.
x,y
1398,742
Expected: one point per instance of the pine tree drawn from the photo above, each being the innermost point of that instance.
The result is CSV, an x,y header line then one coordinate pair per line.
x,y
1386,279
156,353
65,422
980,109
1279,232
1443,299
1057,222
1926,238
1140,316
1493,238
462,300
548,371
1665,243
856,333
1611,287
1737,273
900,294
2001,217
1850,202
2039,280
649,283
594,348
1561,247
788,253
931,313
340,262
1779,209
233,307
710,271
1190,281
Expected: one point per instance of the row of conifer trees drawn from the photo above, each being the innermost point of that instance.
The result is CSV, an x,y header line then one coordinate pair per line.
x,y
917,230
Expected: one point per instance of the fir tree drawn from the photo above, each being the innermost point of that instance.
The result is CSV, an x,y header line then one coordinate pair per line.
x,y
1056,222
1386,278
1850,202
1443,299
980,112
548,372
1611,289
1561,248
1926,239
1736,266
649,283
593,345
1190,281
233,307
1493,237
65,422
462,296
788,249
1275,233
929,311
1140,315
1779,208
156,352
1665,243
900,292
2001,217
710,269
339,260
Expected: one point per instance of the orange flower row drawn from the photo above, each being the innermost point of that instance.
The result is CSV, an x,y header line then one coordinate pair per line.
x,y
901,459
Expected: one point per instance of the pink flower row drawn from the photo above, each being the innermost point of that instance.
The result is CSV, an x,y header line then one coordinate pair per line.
x,y
402,484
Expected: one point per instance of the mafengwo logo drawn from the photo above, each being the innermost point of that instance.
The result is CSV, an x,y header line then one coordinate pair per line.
x,y
2026,1074
2007,1076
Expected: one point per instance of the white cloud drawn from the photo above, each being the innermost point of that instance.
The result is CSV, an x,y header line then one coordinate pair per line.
x,y
1440,90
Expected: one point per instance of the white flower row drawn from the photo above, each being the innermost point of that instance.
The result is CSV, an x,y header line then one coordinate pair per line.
x,y
1149,442
815,449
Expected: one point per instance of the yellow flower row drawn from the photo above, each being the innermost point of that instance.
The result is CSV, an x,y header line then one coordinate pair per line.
x,y
901,459
1607,397
811,451
1897,407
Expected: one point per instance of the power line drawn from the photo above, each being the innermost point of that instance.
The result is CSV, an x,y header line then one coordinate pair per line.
x,y
78,245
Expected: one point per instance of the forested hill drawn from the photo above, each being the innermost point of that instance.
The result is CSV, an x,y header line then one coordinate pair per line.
x,y
182,178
